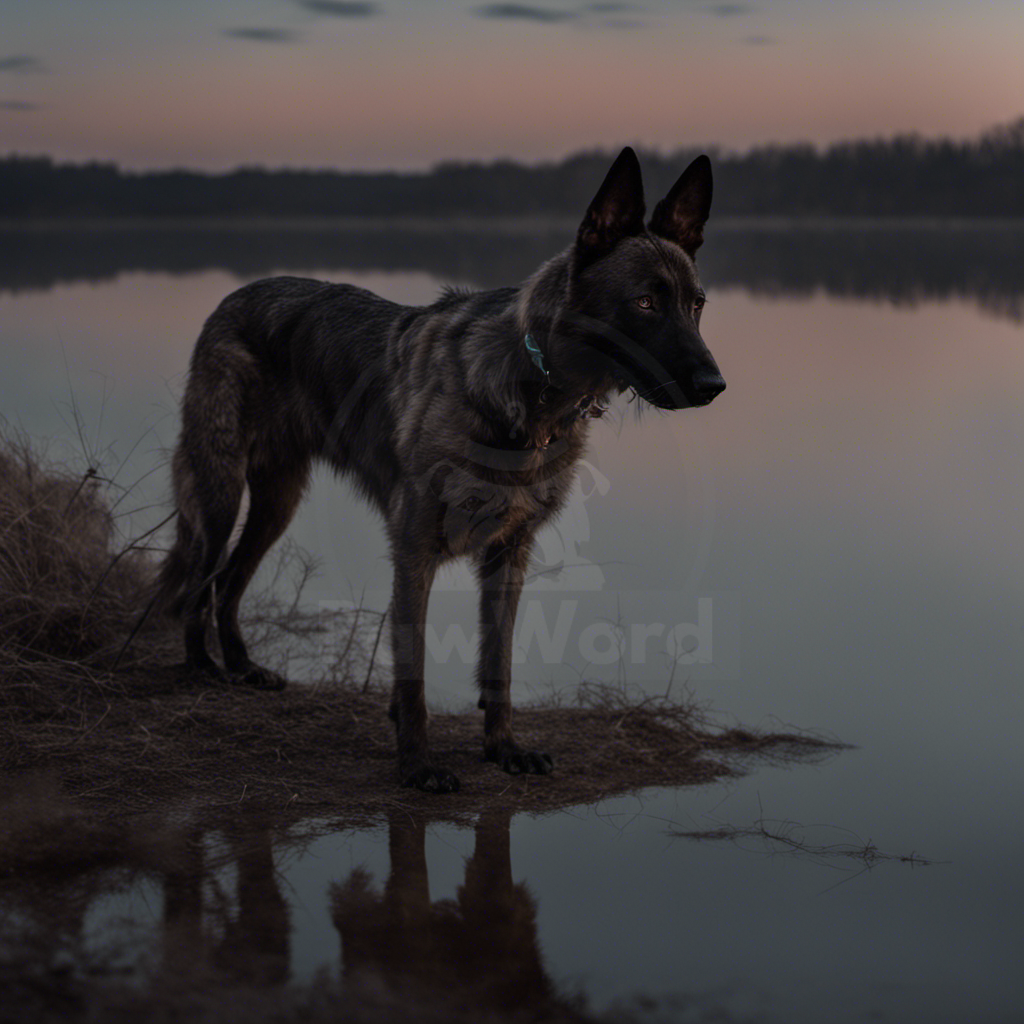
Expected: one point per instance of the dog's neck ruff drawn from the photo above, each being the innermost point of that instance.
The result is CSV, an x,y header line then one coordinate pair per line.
x,y
587,407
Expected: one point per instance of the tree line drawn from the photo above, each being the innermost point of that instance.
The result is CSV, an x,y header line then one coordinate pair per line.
x,y
904,176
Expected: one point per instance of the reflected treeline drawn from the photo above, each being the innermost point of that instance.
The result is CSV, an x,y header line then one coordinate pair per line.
x,y
220,929
899,263
41,257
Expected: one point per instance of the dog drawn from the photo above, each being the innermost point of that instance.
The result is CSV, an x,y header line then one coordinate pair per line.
x,y
460,421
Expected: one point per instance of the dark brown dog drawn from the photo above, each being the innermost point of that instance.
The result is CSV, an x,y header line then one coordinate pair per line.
x,y
461,421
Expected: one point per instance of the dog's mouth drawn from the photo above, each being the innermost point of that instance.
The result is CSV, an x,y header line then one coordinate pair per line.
x,y
672,395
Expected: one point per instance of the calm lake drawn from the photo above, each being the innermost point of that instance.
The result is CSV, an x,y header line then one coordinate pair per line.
x,y
833,545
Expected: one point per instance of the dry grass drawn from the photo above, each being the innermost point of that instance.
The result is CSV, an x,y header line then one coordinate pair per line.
x,y
136,741
62,595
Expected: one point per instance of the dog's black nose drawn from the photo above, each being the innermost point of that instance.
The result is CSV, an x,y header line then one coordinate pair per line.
x,y
707,388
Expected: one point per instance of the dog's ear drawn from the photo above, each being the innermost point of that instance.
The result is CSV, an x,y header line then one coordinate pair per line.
x,y
616,212
681,215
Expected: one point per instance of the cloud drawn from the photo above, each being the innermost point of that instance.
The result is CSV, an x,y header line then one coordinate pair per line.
x,y
262,35
550,16
341,8
760,41
21,63
21,106
729,10
524,12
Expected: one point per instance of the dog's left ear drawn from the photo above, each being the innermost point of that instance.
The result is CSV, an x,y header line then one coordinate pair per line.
x,y
681,215
617,211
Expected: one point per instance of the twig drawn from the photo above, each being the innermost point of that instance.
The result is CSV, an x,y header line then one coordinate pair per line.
x,y
373,653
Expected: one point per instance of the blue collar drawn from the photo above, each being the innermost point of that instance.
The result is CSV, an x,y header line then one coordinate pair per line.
x,y
587,407
537,356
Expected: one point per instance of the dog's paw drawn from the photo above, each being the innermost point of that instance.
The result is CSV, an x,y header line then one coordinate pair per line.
x,y
258,678
208,672
516,761
429,779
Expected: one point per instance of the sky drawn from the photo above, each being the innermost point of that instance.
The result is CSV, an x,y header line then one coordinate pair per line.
x,y
405,84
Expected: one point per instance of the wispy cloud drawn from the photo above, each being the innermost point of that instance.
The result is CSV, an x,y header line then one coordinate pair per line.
x,y
341,8
549,16
729,10
18,106
262,35
525,12
21,63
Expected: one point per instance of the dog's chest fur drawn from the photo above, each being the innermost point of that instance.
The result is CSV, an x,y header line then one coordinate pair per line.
x,y
493,457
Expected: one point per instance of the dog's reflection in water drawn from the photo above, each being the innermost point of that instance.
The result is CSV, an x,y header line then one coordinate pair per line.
x,y
479,950
244,935
223,928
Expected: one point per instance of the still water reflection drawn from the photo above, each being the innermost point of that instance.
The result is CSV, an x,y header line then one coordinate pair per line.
x,y
584,913
192,907
850,509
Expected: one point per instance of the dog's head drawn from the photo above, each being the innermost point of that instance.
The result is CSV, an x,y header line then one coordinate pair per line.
x,y
635,299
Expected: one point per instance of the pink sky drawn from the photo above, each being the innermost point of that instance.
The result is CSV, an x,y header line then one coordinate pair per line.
x,y
149,83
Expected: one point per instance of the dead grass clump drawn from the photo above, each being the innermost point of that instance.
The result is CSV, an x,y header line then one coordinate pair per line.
x,y
63,594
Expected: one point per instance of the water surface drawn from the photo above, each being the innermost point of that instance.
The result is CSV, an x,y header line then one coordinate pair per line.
x,y
833,545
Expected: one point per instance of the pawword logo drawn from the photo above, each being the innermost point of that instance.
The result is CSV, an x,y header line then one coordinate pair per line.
x,y
599,643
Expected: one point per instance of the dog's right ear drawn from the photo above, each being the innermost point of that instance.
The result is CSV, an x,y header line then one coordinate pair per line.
x,y
617,211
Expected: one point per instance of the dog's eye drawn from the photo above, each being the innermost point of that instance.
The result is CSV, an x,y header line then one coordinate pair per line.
x,y
645,302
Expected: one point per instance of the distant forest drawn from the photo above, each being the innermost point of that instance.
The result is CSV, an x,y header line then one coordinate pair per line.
x,y
906,176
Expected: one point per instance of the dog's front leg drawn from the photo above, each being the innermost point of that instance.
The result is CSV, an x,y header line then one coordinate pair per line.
x,y
501,572
414,574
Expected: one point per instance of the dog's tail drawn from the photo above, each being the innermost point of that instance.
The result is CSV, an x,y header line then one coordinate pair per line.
x,y
169,588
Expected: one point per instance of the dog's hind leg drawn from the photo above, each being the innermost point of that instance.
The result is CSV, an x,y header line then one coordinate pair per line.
x,y
273,499
501,571
209,471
